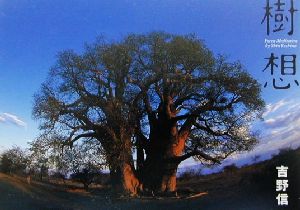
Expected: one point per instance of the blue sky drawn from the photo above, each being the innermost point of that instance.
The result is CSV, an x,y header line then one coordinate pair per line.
x,y
32,32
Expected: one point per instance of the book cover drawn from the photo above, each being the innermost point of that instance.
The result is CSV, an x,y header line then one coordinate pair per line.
x,y
149,104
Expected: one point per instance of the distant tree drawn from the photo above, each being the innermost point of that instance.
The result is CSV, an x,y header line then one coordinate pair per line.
x,y
48,153
285,150
230,168
6,164
255,158
14,161
58,176
189,174
165,97
40,154
86,175
84,162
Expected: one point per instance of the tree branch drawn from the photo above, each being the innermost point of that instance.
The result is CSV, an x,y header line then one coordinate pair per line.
x,y
209,130
70,141
194,153
191,119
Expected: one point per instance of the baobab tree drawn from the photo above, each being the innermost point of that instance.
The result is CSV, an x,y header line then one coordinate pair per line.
x,y
164,97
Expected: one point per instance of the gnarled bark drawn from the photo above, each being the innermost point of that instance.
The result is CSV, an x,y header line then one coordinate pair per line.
x,y
122,172
124,179
131,183
164,149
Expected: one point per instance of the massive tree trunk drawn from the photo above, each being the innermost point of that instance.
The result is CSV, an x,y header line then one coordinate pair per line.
x,y
156,174
124,178
130,182
161,168
158,171
122,172
162,157
160,175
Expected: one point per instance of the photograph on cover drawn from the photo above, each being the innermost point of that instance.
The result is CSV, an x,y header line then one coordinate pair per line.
x,y
135,104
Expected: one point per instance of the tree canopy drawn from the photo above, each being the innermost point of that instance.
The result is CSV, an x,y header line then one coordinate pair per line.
x,y
165,96
13,160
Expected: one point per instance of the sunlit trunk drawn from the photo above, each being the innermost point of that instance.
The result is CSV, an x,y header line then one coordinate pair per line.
x,y
161,165
124,179
122,172
131,183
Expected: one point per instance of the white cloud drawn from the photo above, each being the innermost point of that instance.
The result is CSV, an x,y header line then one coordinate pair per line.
x,y
10,118
271,108
2,119
280,129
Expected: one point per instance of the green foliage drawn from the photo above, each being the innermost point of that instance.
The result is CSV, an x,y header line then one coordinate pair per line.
x,y
14,161
86,175
49,155
116,91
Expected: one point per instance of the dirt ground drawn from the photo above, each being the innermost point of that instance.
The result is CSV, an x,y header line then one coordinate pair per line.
x,y
249,188
17,194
